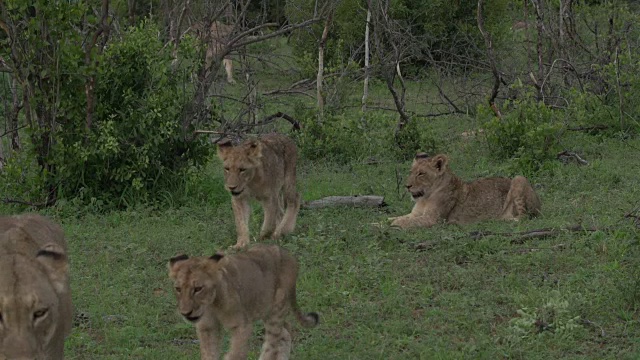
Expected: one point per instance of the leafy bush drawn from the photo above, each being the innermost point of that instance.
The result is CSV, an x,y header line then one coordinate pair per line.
x,y
612,112
412,139
134,150
528,133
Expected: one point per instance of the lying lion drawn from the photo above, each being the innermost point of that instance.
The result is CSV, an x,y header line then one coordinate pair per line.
x,y
35,298
233,292
441,196
262,169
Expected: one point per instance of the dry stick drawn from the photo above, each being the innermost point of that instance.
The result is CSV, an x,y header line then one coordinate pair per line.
x,y
47,203
571,154
332,201
521,237
267,120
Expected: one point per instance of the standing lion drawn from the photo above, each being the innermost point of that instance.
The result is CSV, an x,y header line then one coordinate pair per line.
x,y
35,298
233,292
441,196
263,169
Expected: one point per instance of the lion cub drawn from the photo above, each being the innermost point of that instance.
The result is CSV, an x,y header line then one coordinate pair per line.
x,y
35,298
440,195
233,292
263,169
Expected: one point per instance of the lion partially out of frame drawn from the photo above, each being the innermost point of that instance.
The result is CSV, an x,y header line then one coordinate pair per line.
x,y
35,297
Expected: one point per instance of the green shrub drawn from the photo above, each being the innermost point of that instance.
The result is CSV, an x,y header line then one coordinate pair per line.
x,y
528,133
135,150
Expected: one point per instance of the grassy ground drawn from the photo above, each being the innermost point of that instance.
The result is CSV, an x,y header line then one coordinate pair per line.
x,y
382,293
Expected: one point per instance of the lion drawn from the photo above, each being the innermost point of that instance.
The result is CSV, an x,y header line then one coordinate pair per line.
x,y
218,36
35,297
441,196
233,292
262,169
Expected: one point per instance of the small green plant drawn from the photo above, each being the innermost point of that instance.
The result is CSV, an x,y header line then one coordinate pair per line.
x,y
554,317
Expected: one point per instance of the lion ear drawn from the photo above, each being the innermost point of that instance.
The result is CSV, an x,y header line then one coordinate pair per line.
x,y
224,146
54,259
254,149
440,162
217,256
177,258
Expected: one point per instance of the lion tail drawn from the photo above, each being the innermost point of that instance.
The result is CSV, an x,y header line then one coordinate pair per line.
x,y
309,319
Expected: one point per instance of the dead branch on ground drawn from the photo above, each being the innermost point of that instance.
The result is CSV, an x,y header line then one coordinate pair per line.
x,y
357,200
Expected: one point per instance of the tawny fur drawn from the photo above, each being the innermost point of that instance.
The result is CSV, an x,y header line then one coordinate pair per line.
x,y
35,297
263,169
441,196
233,292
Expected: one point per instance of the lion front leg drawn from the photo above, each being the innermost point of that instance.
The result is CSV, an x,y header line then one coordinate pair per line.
x,y
241,213
239,347
210,338
411,221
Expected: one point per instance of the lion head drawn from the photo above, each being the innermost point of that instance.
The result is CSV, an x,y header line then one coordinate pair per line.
x,y
427,174
34,302
195,281
240,164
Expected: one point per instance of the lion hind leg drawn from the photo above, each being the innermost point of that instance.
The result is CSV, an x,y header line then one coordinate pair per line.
x,y
292,207
277,340
228,68
521,200
272,215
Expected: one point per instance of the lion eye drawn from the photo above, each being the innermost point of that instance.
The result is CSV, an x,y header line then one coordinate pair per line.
x,y
197,289
420,173
1,320
40,313
177,290
226,169
242,170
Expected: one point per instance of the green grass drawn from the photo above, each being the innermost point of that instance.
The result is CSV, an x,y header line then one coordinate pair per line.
x,y
379,297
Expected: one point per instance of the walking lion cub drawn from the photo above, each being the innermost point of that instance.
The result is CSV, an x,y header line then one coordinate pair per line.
x,y
262,169
441,196
233,292
35,297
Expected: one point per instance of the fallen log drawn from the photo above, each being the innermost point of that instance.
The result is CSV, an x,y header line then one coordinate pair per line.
x,y
356,200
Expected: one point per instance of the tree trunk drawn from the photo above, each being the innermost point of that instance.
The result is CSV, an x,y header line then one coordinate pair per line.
x,y
367,71
539,5
492,60
320,77
16,106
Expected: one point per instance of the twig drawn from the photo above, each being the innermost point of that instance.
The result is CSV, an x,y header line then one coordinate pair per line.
x,y
332,201
521,237
565,155
45,204
589,128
